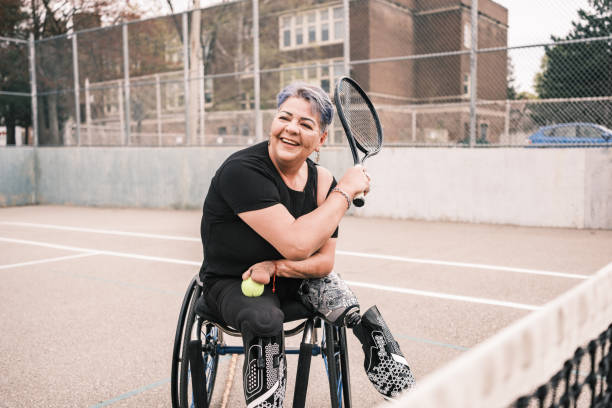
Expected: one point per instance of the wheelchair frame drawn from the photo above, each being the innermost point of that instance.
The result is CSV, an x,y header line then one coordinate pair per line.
x,y
198,343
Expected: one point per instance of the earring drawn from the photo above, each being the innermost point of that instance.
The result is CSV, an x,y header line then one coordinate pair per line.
x,y
317,156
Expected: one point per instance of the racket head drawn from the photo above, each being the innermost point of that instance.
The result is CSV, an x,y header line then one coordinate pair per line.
x,y
359,118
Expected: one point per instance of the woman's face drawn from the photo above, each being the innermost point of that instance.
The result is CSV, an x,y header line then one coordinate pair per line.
x,y
295,131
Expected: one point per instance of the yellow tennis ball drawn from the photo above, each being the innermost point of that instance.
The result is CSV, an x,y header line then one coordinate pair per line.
x,y
251,288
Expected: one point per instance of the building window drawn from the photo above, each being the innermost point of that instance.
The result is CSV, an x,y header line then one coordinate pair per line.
x,y
466,84
311,28
484,129
467,35
322,73
208,91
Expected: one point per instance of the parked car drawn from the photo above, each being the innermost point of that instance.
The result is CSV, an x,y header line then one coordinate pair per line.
x,y
572,133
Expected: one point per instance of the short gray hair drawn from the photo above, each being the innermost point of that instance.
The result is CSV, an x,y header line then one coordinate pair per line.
x,y
319,100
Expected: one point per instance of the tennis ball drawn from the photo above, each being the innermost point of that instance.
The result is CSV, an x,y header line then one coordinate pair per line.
x,y
251,288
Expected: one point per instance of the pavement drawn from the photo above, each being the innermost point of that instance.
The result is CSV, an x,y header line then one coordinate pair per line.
x,y
90,297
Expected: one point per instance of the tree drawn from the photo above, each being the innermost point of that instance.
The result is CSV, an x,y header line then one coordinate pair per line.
x,y
48,18
582,69
14,110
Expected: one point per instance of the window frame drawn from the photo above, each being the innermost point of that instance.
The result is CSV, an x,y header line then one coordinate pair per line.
x,y
290,23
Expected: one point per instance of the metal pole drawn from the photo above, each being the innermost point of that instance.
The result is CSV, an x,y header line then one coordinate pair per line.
x,y
347,37
473,72
202,103
257,73
126,83
88,110
33,90
414,127
158,109
507,122
77,103
186,73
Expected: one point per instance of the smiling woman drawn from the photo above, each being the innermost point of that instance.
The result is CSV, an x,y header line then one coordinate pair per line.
x,y
271,215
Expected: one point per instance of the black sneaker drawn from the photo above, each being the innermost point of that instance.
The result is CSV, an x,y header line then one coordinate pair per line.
x,y
264,373
385,365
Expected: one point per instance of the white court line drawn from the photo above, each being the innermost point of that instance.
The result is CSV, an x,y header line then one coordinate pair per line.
x,y
101,231
446,296
339,252
361,284
464,265
41,261
102,252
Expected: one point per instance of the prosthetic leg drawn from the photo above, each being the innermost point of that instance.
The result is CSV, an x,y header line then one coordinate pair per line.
x,y
384,363
264,371
332,299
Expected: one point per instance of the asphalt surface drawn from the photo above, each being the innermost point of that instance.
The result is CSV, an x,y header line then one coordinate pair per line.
x,y
90,297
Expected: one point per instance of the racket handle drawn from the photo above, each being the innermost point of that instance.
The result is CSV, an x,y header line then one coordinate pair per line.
x,y
359,200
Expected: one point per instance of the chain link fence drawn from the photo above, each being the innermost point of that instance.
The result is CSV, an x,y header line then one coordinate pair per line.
x,y
439,75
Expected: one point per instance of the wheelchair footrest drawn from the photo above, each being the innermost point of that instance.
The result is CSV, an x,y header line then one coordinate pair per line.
x,y
198,377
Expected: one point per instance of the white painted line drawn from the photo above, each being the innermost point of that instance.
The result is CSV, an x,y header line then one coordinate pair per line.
x,y
463,265
339,252
102,252
439,295
41,261
354,283
101,231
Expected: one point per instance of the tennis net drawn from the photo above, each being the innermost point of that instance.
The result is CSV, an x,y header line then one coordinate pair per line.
x,y
557,356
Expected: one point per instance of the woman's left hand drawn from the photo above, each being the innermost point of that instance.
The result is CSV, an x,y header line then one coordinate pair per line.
x,y
260,272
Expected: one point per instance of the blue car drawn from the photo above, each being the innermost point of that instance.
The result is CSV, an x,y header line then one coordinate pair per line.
x,y
578,133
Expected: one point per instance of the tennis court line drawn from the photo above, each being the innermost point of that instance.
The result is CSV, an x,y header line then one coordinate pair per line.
x,y
101,252
445,296
416,292
338,252
41,261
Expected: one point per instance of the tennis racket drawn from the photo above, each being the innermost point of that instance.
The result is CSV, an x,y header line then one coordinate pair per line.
x,y
360,122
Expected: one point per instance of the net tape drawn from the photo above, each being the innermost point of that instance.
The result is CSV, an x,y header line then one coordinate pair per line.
x,y
514,362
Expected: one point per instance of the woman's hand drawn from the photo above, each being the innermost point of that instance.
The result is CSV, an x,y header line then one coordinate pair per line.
x,y
355,181
260,272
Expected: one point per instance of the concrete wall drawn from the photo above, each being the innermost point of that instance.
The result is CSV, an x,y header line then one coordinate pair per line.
x,y
532,187
17,176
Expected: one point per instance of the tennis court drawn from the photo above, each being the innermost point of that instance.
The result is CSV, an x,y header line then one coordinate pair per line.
x,y
90,296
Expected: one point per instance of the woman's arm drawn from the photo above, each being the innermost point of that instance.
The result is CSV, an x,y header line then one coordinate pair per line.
x,y
318,265
299,238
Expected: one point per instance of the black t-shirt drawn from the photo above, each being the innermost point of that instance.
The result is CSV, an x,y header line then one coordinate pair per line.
x,y
247,181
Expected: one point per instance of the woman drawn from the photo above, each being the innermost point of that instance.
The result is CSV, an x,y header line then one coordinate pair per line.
x,y
271,214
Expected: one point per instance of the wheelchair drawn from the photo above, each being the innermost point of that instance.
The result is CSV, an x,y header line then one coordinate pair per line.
x,y
199,343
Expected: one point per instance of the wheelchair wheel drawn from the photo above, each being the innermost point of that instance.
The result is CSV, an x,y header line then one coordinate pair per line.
x,y
335,356
196,343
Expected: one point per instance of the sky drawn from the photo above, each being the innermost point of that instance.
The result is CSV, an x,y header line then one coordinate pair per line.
x,y
530,22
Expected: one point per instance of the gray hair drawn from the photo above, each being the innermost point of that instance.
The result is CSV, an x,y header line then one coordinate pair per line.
x,y
319,100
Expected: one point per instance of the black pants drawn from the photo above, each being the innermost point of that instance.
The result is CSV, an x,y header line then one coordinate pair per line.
x,y
253,316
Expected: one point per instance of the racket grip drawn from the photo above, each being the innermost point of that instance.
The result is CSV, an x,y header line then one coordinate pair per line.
x,y
359,200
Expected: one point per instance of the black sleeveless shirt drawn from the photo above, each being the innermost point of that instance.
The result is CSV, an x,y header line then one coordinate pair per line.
x,y
247,181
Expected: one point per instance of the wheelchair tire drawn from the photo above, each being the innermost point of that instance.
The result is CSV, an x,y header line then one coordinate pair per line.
x,y
211,337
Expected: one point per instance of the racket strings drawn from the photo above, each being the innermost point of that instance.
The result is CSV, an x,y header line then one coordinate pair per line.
x,y
359,118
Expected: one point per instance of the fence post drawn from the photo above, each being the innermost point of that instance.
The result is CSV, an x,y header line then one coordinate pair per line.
x,y
347,38
257,73
88,110
414,125
473,72
33,90
126,83
186,74
77,102
158,109
507,122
